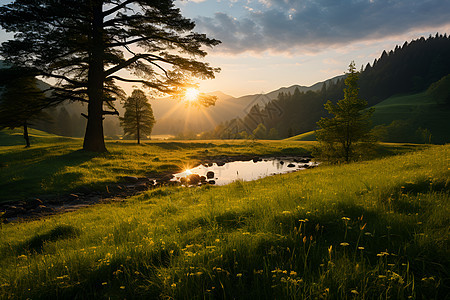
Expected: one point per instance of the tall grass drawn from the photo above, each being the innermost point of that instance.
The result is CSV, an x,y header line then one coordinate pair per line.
x,y
369,230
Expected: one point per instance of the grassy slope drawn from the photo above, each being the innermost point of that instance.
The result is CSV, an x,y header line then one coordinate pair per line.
x,y
307,136
15,137
419,108
354,231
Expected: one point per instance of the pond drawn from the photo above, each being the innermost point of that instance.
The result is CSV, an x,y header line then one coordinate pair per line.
x,y
225,173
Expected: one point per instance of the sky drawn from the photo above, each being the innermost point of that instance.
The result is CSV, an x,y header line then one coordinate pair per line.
x,y
268,44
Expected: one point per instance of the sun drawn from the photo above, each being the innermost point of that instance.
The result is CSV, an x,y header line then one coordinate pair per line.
x,y
191,94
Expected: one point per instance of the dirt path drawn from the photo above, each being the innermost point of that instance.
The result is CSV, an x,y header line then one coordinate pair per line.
x,y
39,207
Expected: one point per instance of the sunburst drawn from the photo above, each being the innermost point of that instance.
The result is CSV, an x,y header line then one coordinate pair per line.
x,y
191,94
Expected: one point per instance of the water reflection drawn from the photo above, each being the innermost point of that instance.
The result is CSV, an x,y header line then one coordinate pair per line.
x,y
221,174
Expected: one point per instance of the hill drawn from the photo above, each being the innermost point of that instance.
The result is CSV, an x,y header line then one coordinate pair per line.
x,y
14,137
413,118
307,136
359,230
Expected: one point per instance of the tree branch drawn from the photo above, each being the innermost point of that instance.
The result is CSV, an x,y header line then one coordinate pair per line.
x,y
114,113
146,83
117,8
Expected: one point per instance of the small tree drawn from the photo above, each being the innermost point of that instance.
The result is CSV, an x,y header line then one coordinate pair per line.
x,y
138,119
21,101
342,135
260,132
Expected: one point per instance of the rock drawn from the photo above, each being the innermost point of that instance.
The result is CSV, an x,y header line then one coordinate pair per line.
x,y
13,211
141,185
166,178
193,179
33,203
73,197
210,174
281,162
212,182
305,160
94,199
220,163
202,178
132,179
256,159
143,179
290,165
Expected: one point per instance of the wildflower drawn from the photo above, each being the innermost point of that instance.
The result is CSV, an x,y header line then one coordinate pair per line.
x,y
22,257
303,220
173,285
217,240
122,287
239,275
104,283
360,248
286,212
354,292
344,244
246,233
304,239
293,273
345,218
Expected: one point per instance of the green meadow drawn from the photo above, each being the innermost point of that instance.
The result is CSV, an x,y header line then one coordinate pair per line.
x,y
376,229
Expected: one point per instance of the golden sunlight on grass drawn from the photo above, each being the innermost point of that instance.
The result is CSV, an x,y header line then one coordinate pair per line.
x,y
191,94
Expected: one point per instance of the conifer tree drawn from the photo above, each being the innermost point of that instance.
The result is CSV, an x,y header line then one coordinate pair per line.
x,y
21,100
138,119
89,46
349,128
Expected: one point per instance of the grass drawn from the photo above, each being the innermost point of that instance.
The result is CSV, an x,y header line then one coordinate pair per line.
x,y
420,110
307,136
368,230
54,165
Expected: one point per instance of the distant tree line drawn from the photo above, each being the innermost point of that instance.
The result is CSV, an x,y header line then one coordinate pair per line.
x,y
409,68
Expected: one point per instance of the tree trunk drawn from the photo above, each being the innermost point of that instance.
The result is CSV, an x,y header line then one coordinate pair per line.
x,y
138,124
25,135
93,138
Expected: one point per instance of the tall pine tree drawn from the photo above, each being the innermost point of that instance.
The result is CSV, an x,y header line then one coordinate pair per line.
x,y
138,119
88,46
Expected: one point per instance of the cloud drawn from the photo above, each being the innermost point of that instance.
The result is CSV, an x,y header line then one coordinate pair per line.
x,y
312,25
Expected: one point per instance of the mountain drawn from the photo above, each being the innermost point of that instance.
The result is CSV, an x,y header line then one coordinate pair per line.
x,y
173,117
315,87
